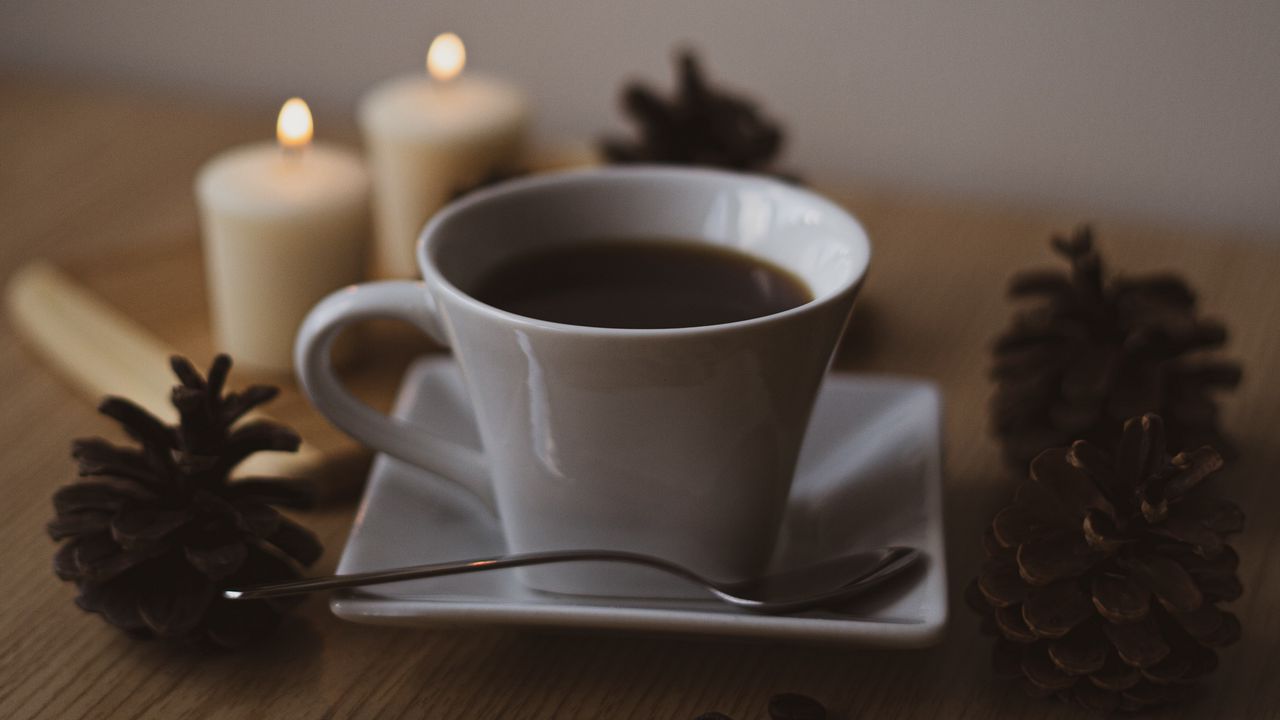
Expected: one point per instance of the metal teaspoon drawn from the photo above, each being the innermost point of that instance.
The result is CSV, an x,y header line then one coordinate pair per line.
x,y
823,583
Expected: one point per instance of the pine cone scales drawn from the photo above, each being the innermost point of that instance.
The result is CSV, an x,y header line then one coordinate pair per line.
x,y
700,125
1103,578
1093,352
152,532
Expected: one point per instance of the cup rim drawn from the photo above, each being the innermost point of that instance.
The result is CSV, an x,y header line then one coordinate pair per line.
x,y
426,258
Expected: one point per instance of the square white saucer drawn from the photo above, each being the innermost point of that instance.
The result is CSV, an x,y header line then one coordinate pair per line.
x,y
870,474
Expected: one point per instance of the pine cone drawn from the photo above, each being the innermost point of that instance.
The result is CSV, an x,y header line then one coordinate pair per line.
x,y
701,125
153,532
1093,352
1103,578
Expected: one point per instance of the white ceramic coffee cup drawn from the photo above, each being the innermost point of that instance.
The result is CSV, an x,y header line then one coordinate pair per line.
x,y
679,442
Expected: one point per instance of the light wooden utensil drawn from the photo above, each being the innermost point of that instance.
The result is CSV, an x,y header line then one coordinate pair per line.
x,y
101,351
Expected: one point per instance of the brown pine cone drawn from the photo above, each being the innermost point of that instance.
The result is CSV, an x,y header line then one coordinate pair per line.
x,y
153,532
1103,579
1093,352
700,125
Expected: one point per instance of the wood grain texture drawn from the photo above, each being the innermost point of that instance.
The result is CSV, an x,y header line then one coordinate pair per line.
x,y
87,174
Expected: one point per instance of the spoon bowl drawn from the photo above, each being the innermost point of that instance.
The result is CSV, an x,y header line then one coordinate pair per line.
x,y
824,583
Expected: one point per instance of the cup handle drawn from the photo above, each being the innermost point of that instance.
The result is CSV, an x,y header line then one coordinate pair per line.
x,y
400,300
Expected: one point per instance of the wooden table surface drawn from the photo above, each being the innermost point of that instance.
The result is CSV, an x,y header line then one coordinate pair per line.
x,y
85,172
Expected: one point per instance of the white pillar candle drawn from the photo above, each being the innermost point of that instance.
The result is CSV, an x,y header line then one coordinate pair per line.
x,y
283,227
427,138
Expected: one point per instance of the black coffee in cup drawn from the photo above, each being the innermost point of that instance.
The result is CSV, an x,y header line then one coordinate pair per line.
x,y
640,284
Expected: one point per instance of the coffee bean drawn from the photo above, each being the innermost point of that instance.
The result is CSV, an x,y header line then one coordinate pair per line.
x,y
794,706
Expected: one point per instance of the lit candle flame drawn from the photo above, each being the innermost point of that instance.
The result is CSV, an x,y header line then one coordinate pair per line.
x,y
293,126
446,57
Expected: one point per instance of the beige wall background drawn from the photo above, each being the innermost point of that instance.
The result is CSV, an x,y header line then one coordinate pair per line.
x,y
1157,110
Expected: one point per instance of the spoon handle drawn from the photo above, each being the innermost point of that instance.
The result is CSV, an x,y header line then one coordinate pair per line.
x,y
457,567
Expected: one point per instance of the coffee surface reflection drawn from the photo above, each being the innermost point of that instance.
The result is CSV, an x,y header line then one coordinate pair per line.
x,y
637,284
